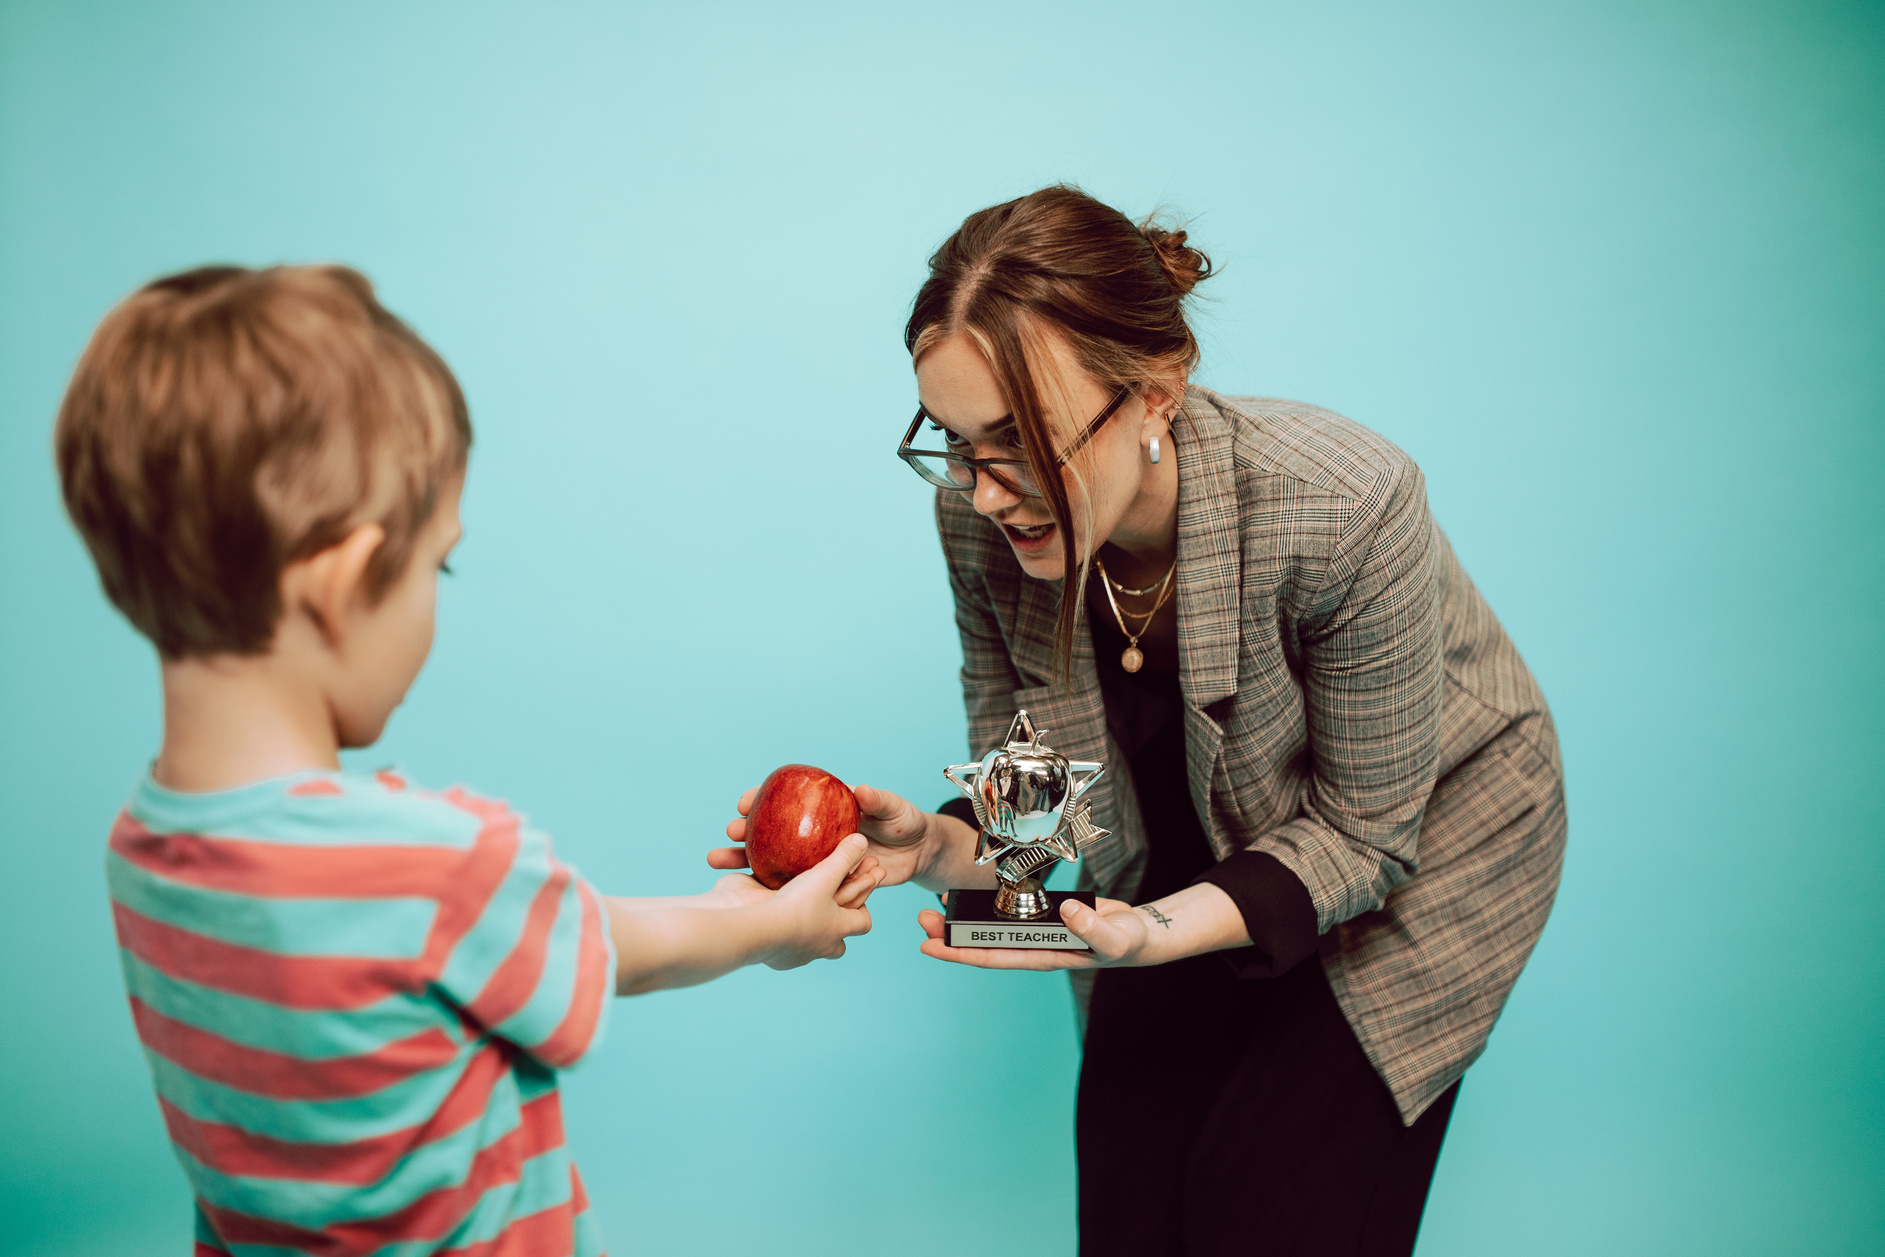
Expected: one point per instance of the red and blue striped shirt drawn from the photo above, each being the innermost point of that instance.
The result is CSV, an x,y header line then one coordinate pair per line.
x,y
354,997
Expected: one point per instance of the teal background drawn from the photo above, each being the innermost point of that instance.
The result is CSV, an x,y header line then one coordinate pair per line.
x,y
1613,272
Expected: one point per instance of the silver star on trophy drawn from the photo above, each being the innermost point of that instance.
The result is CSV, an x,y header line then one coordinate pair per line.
x,y
1028,800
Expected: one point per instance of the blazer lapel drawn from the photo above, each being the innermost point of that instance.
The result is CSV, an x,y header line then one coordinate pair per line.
x,y
1031,642
1210,572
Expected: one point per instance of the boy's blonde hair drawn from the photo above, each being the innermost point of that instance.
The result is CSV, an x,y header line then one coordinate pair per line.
x,y
226,422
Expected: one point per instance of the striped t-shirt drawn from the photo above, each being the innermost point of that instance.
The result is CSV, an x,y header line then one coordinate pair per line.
x,y
354,997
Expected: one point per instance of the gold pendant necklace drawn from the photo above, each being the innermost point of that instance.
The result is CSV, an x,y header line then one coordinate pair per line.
x,y
1132,659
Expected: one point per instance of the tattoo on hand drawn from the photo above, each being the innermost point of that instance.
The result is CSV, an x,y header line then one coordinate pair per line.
x,y
1158,916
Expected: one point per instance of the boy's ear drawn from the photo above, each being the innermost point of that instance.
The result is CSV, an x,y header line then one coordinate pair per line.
x,y
325,584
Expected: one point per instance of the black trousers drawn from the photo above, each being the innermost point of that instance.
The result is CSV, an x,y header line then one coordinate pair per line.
x,y
1220,1116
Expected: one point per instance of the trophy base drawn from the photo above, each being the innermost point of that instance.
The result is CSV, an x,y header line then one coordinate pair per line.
x,y
1025,900
971,921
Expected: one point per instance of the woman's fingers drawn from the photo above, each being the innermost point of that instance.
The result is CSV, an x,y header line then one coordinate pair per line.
x,y
889,818
879,805
993,957
1006,957
736,828
727,858
1100,931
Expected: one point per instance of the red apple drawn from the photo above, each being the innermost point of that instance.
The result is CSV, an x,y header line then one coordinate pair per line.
x,y
799,817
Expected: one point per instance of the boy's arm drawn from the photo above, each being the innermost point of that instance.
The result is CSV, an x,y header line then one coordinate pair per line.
x,y
660,945
736,890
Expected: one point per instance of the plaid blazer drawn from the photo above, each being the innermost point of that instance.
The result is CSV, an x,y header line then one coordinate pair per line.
x,y
1352,707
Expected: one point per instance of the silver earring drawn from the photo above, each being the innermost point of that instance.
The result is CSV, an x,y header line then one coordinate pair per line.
x,y
1155,449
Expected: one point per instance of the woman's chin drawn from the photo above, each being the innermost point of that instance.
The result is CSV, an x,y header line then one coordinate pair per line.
x,y
1043,566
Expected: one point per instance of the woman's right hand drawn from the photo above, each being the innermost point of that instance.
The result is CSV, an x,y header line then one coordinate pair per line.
x,y
905,840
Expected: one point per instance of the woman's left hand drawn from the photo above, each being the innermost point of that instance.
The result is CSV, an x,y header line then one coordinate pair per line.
x,y
1117,933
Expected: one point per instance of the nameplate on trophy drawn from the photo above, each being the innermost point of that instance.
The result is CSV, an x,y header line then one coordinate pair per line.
x,y
972,921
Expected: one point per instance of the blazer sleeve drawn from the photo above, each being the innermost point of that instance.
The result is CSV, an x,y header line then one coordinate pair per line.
x,y
1371,651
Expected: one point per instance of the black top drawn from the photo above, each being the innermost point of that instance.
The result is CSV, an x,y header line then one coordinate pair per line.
x,y
1145,715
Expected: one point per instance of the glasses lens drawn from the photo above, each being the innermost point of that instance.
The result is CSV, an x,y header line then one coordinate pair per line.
x,y
938,470
1016,477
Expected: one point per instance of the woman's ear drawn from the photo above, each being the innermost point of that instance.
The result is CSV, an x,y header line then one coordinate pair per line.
x,y
323,586
1161,399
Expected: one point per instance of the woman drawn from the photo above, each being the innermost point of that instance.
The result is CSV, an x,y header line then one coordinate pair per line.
x,y
1335,790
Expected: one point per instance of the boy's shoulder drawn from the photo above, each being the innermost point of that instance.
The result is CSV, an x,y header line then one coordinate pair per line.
x,y
325,809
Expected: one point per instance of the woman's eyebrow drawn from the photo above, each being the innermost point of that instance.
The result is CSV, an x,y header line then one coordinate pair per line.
x,y
996,428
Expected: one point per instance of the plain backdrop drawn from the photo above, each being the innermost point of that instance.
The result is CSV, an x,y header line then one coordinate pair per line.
x,y
1613,272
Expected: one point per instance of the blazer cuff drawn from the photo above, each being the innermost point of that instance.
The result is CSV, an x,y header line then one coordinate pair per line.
x,y
1276,909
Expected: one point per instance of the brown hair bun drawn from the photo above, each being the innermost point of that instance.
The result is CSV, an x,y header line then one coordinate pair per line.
x,y
1182,264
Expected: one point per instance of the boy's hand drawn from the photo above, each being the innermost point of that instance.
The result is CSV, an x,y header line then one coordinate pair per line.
x,y
810,921
740,890
902,840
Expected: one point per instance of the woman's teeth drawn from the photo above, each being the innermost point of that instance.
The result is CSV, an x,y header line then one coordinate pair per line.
x,y
1033,533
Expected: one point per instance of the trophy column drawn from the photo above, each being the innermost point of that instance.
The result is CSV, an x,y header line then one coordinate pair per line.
x,y
1019,894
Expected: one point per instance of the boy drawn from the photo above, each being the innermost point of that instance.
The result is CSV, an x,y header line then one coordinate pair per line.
x,y
353,994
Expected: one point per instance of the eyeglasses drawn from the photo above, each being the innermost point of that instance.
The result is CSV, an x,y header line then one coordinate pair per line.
x,y
958,471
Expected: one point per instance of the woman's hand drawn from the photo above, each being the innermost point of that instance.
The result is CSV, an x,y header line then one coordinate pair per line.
x,y
904,841
1190,922
1116,932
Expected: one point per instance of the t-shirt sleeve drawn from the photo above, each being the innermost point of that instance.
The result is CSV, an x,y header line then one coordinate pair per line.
x,y
537,965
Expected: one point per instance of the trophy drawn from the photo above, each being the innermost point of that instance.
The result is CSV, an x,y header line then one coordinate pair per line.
x,y
1028,801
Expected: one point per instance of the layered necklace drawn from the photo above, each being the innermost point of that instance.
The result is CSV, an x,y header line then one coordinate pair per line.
x,y
1133,658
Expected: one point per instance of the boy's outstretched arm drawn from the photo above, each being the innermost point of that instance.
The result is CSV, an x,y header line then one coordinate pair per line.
x,y
658,947
737,890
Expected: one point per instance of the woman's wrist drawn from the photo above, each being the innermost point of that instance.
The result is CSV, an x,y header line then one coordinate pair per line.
x,y
948,858
1191,922
931,867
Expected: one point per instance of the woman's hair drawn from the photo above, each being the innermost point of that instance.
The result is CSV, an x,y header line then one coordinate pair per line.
x,y
1058,264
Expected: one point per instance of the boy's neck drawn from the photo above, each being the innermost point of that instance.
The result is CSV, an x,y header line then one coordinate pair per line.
x,y
233,720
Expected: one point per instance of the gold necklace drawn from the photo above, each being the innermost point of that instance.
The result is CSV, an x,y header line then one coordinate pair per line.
x,y
1133,658
1131,593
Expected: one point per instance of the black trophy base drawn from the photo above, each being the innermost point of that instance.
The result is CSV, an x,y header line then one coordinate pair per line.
x,y
971,921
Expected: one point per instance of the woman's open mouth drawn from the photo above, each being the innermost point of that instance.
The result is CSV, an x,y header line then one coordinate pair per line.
x,y
1030,539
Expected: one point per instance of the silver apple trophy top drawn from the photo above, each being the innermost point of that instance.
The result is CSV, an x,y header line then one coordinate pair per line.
x,y
1028,800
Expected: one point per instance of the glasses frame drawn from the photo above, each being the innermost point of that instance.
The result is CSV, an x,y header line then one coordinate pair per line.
x,y
910,454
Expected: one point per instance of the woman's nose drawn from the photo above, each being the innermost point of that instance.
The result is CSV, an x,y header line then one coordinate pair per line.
x,y
991,495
